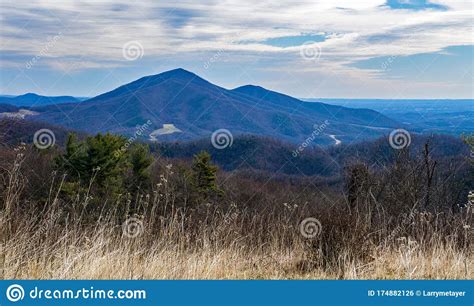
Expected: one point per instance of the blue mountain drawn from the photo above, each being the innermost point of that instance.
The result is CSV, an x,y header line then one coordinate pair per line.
x,y
31,100
196,108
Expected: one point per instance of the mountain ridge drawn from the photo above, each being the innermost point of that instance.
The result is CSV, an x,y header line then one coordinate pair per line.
x,y
197,108
33,99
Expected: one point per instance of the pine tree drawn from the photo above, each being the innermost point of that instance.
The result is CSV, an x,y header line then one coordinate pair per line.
x,y
103,164
204,175
96,160
73,159
140,161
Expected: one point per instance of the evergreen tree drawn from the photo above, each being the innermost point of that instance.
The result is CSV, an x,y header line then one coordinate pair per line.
x,y
102,163
204,175
96,159
140,161
73,159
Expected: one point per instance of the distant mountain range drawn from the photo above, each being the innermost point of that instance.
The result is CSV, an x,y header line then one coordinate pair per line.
x,y
186,107
424,116
32,100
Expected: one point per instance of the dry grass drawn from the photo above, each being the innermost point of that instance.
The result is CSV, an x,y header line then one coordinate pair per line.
x,y
102,252
73,241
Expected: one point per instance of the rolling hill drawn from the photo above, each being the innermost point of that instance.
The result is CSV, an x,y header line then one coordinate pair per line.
x,y
271,155
266,156
194,108
32,100
13,131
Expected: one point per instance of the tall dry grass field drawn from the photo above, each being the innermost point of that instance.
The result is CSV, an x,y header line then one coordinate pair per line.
x,y
161,238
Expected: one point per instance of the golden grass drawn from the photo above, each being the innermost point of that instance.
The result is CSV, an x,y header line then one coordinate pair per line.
x,y
103,253
57,240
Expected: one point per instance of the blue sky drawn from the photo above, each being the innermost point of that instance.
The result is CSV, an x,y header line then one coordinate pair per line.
x,y
343,49
415,5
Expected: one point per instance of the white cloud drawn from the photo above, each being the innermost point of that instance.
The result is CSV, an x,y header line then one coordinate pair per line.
x,y
95,31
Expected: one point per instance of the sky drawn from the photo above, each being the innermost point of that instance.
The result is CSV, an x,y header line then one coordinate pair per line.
x,y
395,49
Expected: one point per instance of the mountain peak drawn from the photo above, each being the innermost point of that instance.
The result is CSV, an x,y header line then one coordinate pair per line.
x,y
177,73
28,95
250,87
263,93
179,70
